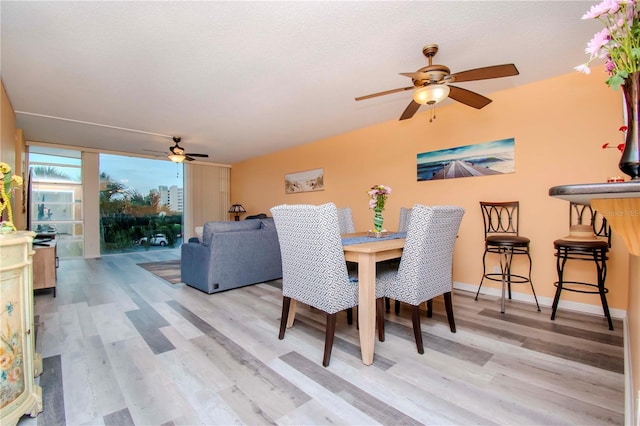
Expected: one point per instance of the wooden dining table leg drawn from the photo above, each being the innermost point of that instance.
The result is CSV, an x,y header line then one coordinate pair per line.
x,y
367,305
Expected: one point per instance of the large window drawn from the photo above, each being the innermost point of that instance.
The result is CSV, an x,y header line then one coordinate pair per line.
x,y
55,201
141,204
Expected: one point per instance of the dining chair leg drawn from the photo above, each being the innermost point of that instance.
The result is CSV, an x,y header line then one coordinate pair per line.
x,y
448,304
286,303
380,308
349,316
417,331
429,308
387,305
328,339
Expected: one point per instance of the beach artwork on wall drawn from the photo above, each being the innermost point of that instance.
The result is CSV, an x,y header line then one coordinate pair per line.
x,y
310,180
489,158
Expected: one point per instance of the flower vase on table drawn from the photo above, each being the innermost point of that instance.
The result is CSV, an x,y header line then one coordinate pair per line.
x,y
630,159
378,220
377,199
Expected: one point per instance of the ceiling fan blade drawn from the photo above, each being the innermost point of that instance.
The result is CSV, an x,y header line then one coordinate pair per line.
x,y
468,97
411,109
197,155
416,75
186,157
386,92
495,71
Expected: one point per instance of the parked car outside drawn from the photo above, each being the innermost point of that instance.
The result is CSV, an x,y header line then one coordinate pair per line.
x,y
156,240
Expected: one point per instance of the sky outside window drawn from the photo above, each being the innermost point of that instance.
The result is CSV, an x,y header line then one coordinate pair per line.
x,y
141,174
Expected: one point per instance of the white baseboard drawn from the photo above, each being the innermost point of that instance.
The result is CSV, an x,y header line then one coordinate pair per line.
x,y
544,301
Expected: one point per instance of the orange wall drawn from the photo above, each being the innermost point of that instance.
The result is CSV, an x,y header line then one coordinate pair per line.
x,y
559,126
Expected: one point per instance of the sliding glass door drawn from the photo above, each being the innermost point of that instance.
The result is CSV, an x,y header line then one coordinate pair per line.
x,y
55,201
141,204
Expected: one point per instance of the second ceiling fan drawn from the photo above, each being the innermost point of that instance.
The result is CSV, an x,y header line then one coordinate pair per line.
x,y
177,154
432,84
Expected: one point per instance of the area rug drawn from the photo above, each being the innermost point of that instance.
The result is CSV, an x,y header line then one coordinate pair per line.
x,y
168,270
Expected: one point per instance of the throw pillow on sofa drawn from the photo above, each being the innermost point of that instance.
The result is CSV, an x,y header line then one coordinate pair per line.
x,y
199,230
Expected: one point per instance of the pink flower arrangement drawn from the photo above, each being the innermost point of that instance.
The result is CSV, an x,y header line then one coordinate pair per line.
x,y
618,43
620,146
378,194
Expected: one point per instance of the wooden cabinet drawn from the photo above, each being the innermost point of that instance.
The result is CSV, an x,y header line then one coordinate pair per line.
x,y
19,394
44,266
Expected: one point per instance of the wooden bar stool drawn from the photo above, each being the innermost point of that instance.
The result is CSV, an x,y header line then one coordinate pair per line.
x,y
589,239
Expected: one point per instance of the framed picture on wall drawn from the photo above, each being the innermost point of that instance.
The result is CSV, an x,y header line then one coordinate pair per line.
x,y
310,180
489,158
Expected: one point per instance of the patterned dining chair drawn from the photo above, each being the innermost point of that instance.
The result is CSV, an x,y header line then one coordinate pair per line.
x,y
345,220
314,270
405,217
425,269
403,225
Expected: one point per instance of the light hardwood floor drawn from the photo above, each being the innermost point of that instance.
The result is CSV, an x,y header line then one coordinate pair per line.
x,y
121,346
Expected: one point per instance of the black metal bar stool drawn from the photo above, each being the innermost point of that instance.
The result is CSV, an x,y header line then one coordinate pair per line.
x,y
501,237
589,239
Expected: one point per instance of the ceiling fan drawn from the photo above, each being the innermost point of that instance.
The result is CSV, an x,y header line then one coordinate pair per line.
x,y
432,84
177,154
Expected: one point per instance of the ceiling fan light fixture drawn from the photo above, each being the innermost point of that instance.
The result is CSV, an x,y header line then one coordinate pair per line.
x,y
431,94
176,158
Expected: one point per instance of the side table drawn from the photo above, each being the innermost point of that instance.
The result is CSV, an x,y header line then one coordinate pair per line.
x,y
45,263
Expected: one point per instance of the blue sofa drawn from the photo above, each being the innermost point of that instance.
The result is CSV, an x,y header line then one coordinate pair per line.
x,y
231,255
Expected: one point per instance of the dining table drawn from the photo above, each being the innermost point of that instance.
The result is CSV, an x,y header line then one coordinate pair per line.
x,y
367,254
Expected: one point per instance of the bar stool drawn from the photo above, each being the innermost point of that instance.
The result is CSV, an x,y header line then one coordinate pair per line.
x,y
589,239
501,237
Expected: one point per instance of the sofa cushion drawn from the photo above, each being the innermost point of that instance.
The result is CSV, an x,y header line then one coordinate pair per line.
x,y
211,228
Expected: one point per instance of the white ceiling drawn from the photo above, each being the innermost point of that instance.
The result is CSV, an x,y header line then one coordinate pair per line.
x,y
241,79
